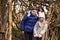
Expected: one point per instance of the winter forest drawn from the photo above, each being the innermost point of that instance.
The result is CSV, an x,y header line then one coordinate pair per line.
x,y
12,12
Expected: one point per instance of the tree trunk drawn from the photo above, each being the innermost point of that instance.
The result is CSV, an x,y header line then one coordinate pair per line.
x,y
10,20
5,20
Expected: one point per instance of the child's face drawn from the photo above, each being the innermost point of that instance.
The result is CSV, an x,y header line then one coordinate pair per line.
x,y
34,12
41,19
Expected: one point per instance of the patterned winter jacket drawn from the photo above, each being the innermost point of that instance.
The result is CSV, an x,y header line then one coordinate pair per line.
x,y
28,22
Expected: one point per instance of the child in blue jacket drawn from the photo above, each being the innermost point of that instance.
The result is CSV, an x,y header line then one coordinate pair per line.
x,y
28,22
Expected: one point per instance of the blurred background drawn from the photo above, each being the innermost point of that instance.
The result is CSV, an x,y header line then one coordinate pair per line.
x,y
12,12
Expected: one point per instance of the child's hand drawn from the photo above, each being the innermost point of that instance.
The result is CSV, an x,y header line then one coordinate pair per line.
x,y
35,35
22,32
40,35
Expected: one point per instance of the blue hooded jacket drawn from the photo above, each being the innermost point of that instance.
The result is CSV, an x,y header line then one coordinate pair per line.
x,y
28,22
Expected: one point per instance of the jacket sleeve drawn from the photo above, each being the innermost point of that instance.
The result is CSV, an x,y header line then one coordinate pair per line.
x,y
35,30
22,25
44,29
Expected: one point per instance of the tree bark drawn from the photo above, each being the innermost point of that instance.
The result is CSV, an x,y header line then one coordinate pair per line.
x,y
10,20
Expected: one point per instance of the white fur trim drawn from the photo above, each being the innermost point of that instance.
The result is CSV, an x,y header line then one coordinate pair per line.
x,y
41,14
